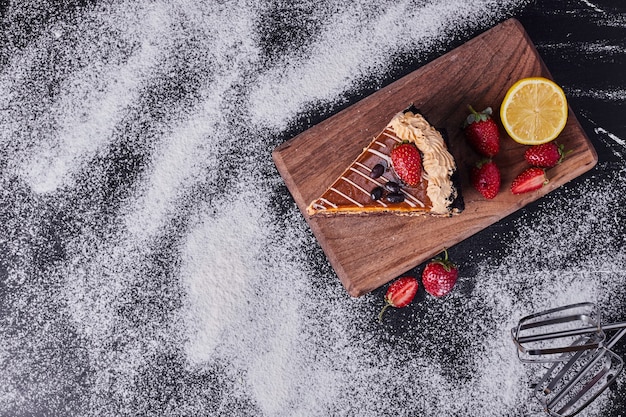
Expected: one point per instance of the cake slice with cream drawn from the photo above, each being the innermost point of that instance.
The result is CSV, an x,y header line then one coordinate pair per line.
x,y
371,186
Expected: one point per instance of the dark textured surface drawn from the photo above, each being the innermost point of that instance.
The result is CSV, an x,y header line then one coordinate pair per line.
x,y
152,262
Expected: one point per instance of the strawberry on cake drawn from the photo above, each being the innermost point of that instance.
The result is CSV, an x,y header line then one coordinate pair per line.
x,y
407,169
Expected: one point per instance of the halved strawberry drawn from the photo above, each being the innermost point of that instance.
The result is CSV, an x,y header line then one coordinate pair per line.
x,y
530,179
407,163
399,294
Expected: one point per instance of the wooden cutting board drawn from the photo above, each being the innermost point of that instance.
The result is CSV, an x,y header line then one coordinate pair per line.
x,y
367,252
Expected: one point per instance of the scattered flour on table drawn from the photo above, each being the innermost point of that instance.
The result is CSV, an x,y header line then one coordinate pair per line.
x,y
589,50
592,6
616,94
357,43
152,264
615,138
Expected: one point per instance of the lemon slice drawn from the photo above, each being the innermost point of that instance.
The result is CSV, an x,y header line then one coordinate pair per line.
x,y
534,111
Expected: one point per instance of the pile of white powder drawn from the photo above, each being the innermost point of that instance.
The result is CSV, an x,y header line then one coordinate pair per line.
x,y
153,263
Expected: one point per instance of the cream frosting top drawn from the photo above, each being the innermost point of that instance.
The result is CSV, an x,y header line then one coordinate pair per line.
x,y
438,163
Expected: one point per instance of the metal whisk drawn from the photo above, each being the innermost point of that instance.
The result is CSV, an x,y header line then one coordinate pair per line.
x,y
572,340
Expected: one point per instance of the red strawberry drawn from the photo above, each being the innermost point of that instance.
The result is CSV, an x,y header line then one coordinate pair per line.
x,y
530,179
439,276
407,163
482,133
545,155
486,178
399,294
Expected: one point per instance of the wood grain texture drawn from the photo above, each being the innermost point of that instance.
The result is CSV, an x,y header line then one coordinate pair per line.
x,y
367,252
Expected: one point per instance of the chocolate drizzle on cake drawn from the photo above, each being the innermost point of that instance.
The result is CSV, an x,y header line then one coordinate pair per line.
x,y
352,192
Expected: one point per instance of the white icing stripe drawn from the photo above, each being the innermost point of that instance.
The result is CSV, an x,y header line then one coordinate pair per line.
x,y
346,197
410,196
380,154
394,137
355,185
328,202
382,145
365,167
367,177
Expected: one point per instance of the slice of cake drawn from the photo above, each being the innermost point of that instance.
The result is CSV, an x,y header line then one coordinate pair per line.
x,y
377,183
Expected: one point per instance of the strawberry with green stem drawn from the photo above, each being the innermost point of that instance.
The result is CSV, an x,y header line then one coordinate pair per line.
x,y
482,132
440,276
546,155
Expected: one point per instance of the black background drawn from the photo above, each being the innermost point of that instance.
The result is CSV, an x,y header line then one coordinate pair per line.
x,y
562,30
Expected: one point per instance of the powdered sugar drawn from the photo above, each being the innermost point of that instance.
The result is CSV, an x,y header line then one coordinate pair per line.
x,y
153,263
